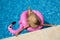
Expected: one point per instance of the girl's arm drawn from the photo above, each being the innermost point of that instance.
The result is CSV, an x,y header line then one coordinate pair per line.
x,y
47,25
22,30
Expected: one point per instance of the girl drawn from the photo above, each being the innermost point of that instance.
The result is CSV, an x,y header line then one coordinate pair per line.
x,y
33,20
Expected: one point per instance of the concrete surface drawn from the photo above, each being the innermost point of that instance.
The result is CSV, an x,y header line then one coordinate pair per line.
x,y
52,33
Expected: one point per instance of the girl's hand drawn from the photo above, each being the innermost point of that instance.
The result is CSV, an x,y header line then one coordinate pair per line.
x,y
17,34
53,25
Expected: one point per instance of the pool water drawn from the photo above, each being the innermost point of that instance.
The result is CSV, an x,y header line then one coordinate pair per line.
x,y
11,10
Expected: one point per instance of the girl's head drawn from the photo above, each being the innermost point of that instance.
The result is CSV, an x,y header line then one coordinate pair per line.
x,y
33,18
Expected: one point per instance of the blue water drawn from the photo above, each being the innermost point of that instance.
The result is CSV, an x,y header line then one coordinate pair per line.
x,y
10,10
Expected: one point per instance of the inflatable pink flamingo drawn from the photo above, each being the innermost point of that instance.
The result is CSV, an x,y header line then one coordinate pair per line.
x,y
23,22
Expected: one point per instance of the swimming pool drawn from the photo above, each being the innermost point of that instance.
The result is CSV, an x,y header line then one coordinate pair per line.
x,y
10,10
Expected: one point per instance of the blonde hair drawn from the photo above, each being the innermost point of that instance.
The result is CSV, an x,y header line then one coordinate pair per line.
x,y
33,19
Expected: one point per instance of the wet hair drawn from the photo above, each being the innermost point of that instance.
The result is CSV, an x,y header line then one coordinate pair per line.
x,y
38,20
